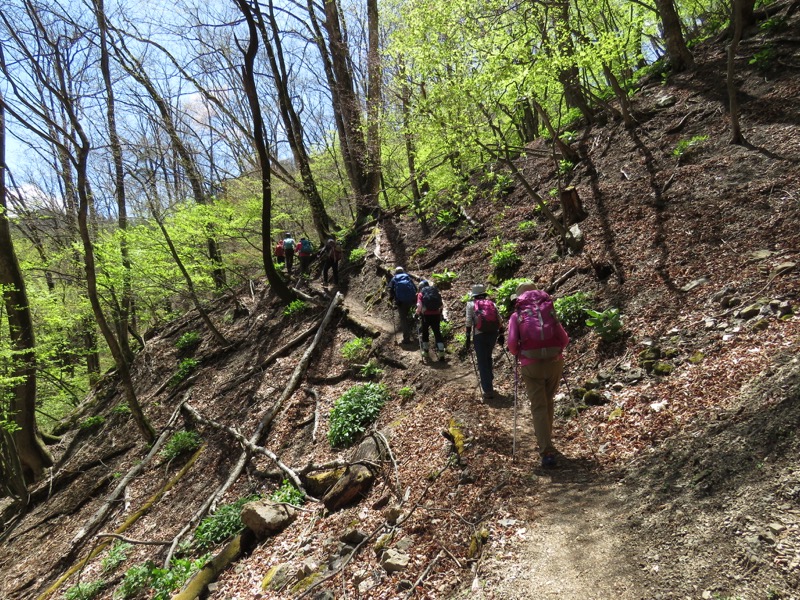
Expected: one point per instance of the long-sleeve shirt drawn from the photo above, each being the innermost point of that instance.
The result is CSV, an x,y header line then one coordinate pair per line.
x,y
560,341
470,318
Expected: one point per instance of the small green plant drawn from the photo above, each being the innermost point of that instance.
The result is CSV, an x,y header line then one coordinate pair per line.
x,y
185,368
121,409
527,228
685,146
371,370
774,24
167,581
419,253
357,255
188,341
460,339
764,58
607,324
356,409
565,166
288,494
136,580
295,307
115,556
356,351
569,137
506,258
447,218
553,192
182,442
445,279
223,524
406,393
571,310
446,327
503,294
92,422
84,591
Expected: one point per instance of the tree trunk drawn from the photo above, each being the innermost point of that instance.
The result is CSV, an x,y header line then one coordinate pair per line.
x,y
33,455
572,206
733,100
678,54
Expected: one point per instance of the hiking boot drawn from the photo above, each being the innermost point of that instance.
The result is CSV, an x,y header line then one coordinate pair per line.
x,y
441,356
548,460
488,395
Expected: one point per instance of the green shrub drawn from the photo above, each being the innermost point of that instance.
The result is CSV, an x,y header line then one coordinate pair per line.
x,y
685,146
419,253
182,442
527,228
406,393
188,341
356,351
165,582
185,368
295,307
571,310
446,327
121,409
774,24
607,324
84,591
223,524
92,422
565,166
136,580
115,556
357,254
503,292
460,339
371,370
356,409
447,218
764,59
506,258
288,494
445,279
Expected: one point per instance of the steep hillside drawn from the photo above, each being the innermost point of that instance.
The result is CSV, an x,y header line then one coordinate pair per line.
x,y
679,485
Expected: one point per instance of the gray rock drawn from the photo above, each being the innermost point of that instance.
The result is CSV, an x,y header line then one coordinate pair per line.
x,y
666,100
748,312
394,560
696,283
353,537
265,518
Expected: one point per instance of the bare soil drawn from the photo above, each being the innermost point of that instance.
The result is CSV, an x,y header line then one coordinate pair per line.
x,y
677,486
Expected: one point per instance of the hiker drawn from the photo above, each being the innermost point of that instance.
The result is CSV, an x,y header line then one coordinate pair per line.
x,y
429,308
305,253
279,254
288,251
403,292
483,318
537,340
331,254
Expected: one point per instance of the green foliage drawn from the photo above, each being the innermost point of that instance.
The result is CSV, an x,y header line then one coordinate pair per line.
x,y
356,351
503,293
371,370
288,494
447,217
607,324
295,307
357,254
685,146
527,228
356,409
565,166
185,368
135,580
188,341
92,422
774,24
181,442
223,524
460,339
506,258
446,328
406,393
84,591
444,279
571,310
162,582
764,59
121,409
115,556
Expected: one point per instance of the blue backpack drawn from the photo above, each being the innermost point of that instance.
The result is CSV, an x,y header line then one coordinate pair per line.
x,y
305,246
404,289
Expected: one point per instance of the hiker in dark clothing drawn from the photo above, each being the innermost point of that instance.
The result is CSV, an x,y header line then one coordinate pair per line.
x,y
331,254
483,318
430,308
403,292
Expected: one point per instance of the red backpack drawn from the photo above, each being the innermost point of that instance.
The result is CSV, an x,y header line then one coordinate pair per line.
x,y
486,317
537,325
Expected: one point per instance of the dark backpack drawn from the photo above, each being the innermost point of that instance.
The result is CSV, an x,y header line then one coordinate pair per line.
x,y
306,247
404,289
486,317
431,298
537,325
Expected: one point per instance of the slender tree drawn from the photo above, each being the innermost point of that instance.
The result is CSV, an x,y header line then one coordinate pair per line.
x,y
678,54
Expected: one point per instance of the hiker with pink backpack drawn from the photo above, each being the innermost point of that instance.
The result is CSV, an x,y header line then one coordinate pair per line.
x,y
537,340
483,318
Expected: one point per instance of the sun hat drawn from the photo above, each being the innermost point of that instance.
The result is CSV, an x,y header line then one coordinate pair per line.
x,y
399,270
521,289
478,290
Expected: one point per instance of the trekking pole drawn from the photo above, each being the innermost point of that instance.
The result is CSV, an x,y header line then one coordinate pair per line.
x,y
516,386
394,322
475,367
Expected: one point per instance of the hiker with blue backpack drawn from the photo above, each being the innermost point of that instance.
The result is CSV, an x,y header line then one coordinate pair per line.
x,y
537,340
484,328
305,253
403,292
430,308
288,252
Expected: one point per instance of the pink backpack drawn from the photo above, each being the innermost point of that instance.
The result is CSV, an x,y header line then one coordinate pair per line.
x,y
486,317
537,325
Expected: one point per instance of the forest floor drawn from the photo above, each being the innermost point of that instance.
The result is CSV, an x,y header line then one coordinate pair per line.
x,y
683,485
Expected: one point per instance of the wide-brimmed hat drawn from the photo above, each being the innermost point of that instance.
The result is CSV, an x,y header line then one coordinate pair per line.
x,y
477,290
521,289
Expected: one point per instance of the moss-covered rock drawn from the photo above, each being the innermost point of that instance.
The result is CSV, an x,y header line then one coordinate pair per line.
x,y
594,398
696,358
650,354
662,368
476,542
579,392
277,577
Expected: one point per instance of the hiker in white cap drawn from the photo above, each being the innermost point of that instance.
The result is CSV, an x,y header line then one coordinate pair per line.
x,y
484,328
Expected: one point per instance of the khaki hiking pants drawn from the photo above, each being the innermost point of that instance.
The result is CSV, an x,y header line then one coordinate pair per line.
x,y
541,383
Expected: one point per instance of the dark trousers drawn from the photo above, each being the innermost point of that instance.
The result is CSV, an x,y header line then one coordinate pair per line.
x,y
289,261
328,265
484,344
435,323
305,262
404,311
